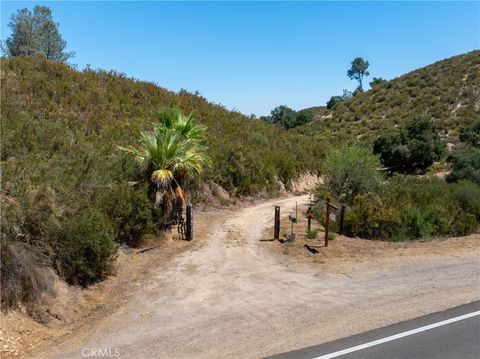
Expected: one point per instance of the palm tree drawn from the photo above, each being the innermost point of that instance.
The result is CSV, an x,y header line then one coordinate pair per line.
x,y
173,153
174,119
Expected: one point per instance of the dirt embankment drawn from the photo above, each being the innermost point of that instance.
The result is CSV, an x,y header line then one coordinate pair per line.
x,y
229,294
73,309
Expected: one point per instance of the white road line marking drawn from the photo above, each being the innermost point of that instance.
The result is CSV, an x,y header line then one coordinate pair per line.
x,y
398,336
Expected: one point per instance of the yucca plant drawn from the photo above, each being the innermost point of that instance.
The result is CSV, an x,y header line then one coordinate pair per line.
x,y
173,153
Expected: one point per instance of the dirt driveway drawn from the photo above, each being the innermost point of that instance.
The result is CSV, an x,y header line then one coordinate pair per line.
x,y
232,296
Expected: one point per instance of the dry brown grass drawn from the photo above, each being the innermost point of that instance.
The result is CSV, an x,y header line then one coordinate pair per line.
x,y
25,277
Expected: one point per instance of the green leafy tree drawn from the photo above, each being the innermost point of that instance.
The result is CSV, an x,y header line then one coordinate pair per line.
x,y
337,99
414,149
284,116
358,70
349,171
377,81
471,135
22,42
302,117
465,166
288,118
36,34
466,163
333,101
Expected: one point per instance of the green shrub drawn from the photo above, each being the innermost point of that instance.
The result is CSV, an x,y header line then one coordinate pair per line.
x,y
372,218
467,195
471,134
414,223
349,171
86,248
463,223
131,212
415,192
30,213
465,166
312,233
408,207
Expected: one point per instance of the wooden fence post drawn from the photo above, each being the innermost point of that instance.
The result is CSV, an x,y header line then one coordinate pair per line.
x,y
327,220
309,215
276,231
342,218
189,231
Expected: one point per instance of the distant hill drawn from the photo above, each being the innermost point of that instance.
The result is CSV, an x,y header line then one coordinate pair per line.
x,y
448,91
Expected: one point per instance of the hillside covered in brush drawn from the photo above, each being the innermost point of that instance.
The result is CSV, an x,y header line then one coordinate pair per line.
x,y
67,193
63,123
447,91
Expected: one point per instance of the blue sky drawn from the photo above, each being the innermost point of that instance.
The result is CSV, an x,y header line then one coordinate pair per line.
x,y
253,56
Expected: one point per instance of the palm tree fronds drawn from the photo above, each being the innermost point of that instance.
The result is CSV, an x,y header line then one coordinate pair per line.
x,y
139,155
175,120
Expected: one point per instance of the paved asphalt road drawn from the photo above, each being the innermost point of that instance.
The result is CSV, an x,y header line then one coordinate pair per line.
x,y
452,334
